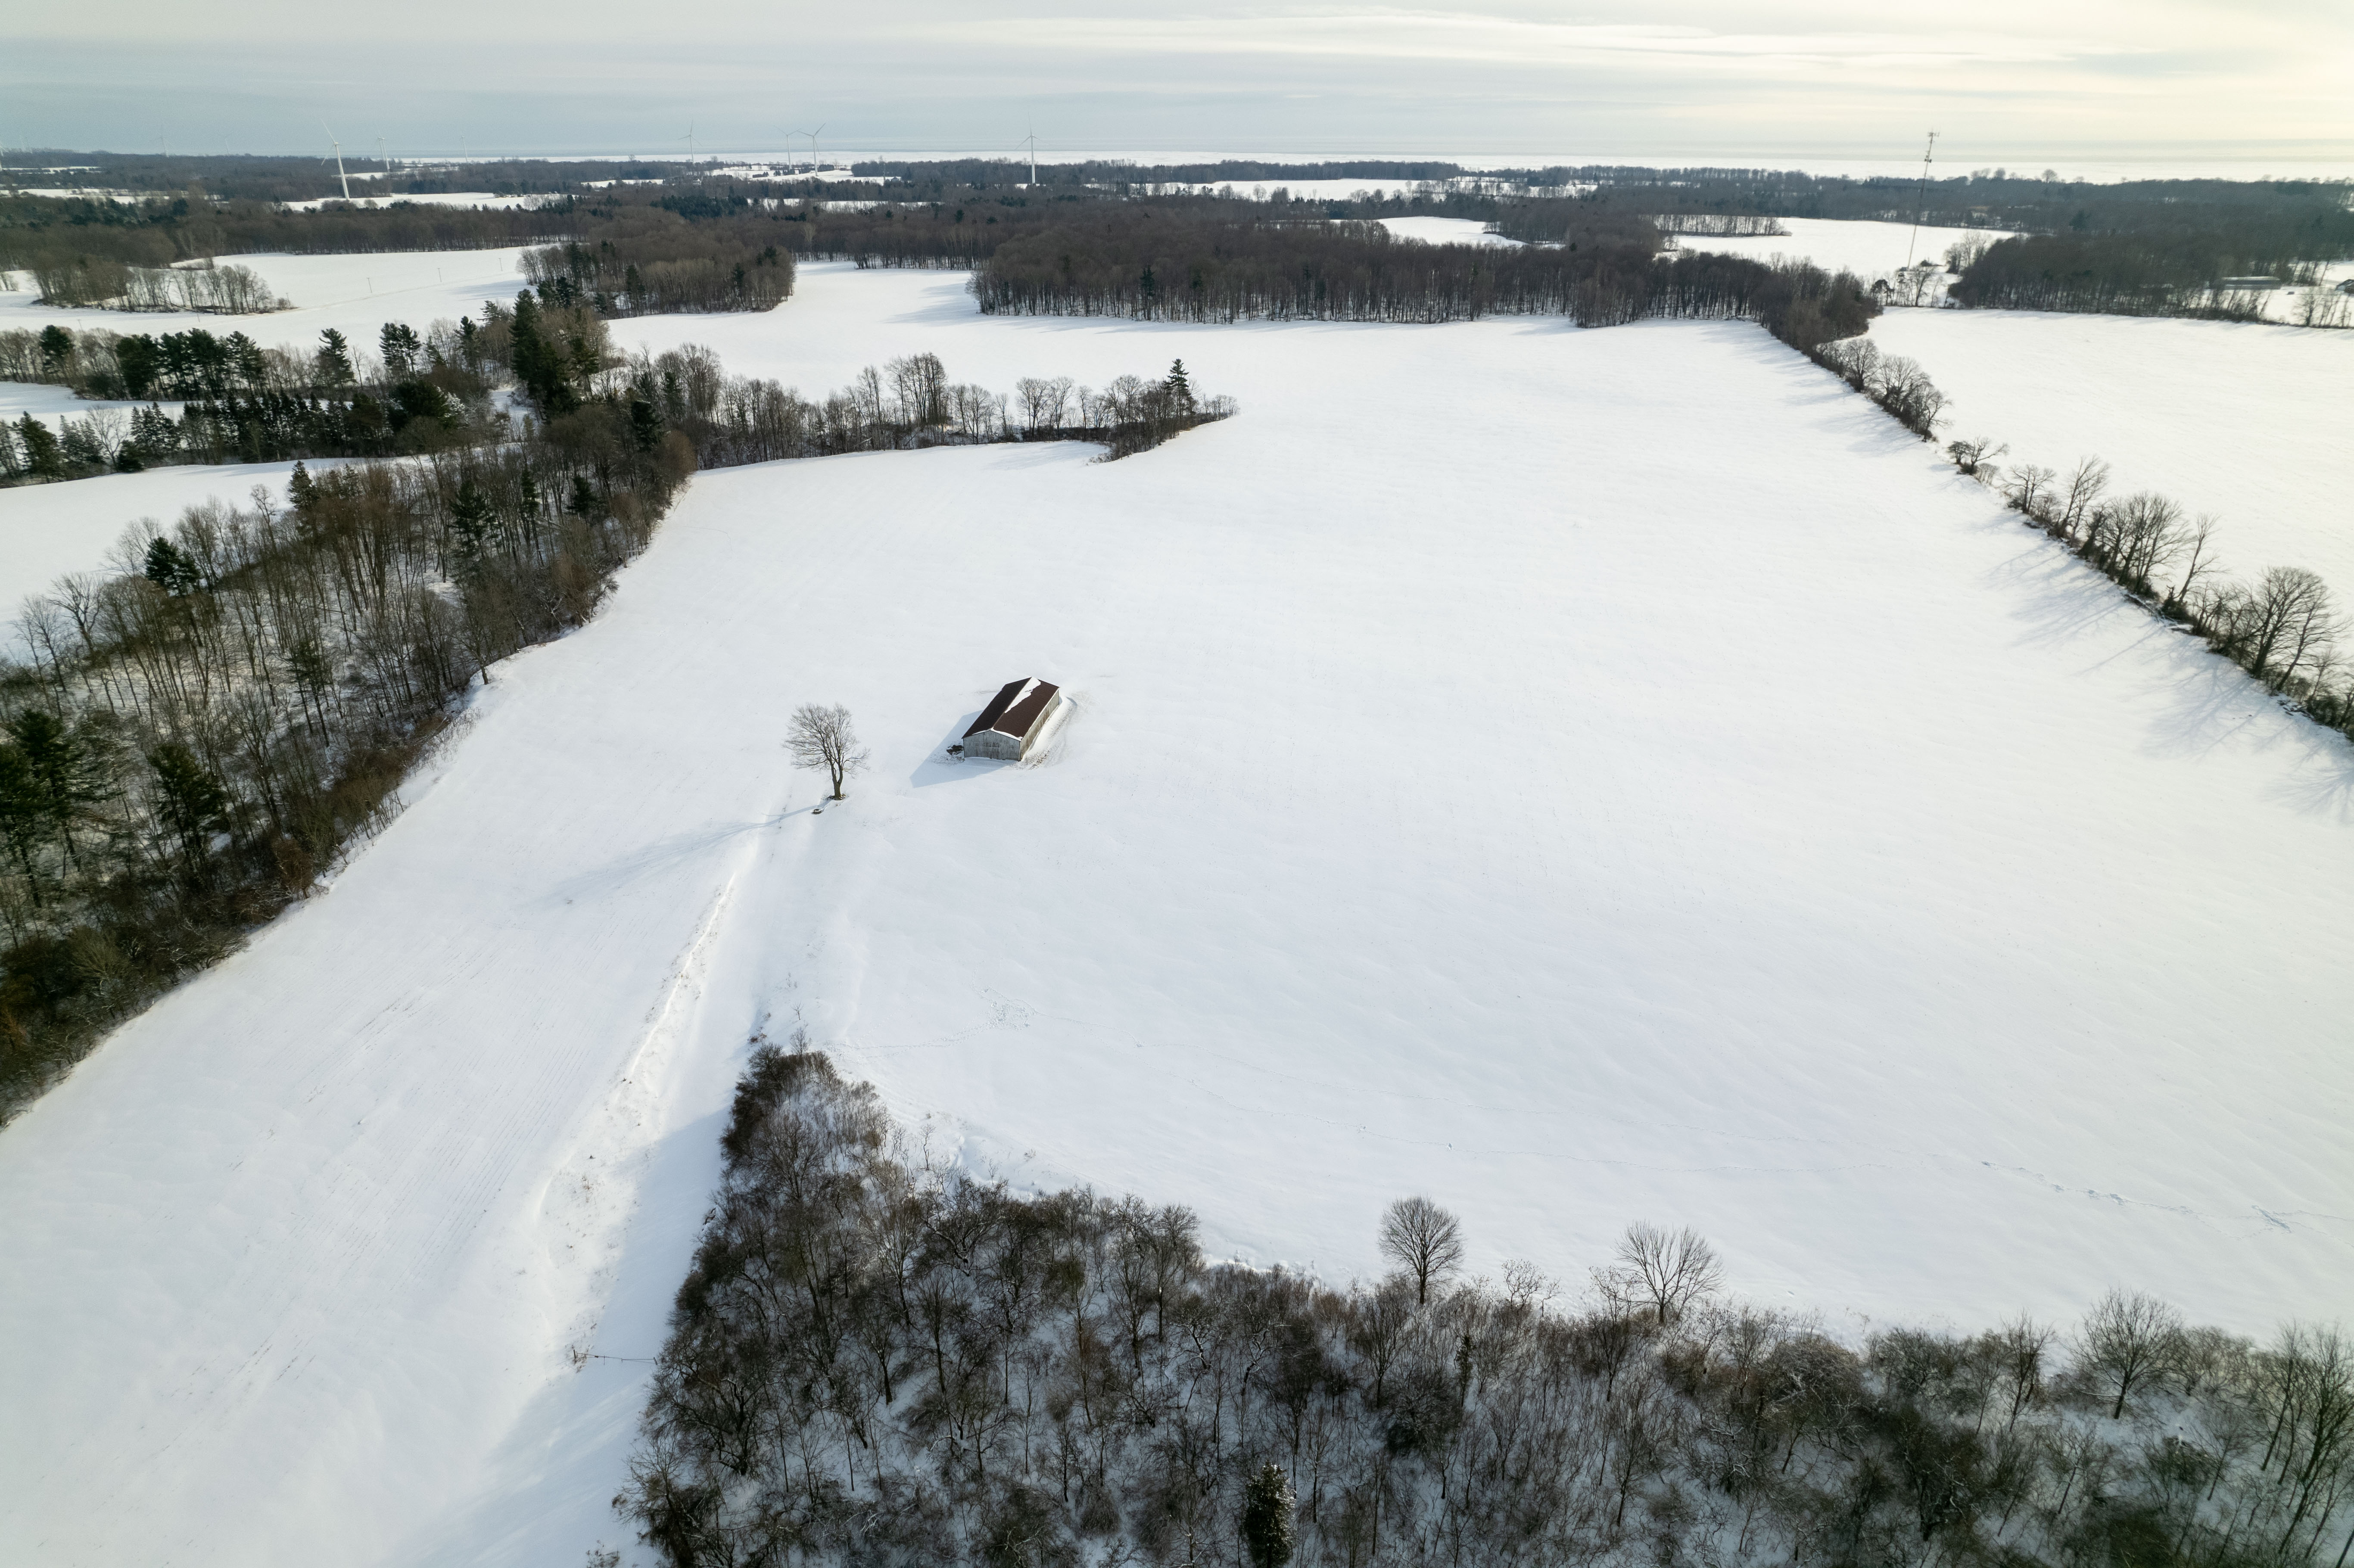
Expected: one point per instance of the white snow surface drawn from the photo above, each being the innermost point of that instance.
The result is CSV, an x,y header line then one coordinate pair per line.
x,y
1582,776
1443,231
47,530
1867,248
2244,421
53,405
439,198
353,294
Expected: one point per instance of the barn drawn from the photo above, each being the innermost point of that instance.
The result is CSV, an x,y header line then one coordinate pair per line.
x,y
1013,720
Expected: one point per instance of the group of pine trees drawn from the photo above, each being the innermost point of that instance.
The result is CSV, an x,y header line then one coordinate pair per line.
x,y
244,403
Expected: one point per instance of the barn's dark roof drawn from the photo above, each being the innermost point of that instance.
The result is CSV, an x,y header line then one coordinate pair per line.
x,y
1015,708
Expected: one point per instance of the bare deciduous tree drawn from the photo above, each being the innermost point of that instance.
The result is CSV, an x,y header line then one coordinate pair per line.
x,y
2128,1342
1663,1271
2282,626
1976,457
2200,543
823,738
2135,537
1045,404
1423,1239
2030,491
2075,504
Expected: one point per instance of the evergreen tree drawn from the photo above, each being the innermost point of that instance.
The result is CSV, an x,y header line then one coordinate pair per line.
x,y
400,344
645,425
251,364
22,819
538,364
334,359
1180,389
583,504
473,523
191,801
44,459
58,765
528,499
170,567
57,351
1267,1510
82,448
300,490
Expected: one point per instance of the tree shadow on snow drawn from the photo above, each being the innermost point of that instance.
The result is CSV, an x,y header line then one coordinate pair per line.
x,y
2197,701
659,855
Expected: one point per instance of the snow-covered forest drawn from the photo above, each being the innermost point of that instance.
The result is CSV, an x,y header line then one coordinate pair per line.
x,y
876,1359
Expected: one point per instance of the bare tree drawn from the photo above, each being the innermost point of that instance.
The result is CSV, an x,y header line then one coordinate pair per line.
x,y
921,384
2285,623
823,738
2128,1343
2077,497
2030,491
2019,1349
2200,543
1976,457
1664,1272
1044,403
2135,537
1423,1239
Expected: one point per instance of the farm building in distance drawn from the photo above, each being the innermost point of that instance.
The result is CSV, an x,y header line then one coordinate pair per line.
x,y
1013,720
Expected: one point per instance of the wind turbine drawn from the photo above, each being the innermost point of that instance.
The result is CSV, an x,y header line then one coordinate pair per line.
x,y
1033,139
338,146
689,140
812,136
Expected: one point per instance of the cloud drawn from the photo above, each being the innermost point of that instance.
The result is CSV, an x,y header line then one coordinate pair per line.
x,y
2001,79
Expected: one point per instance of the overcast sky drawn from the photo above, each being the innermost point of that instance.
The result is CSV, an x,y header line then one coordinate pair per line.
x,y
2002,80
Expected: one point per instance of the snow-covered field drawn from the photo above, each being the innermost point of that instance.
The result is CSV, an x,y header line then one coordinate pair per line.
x,y
1443,231
439,198
2246,422
1584,776
53,405
47,530
1863,247
353,294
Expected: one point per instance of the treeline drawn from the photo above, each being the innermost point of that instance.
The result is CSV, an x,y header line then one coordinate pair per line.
x,y
244,403
2284,629
61,239
1165,271
873,1359
2262,223
1719,223
238,176
224,291
644,266
200,731
1125,171
909,403
2123,275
